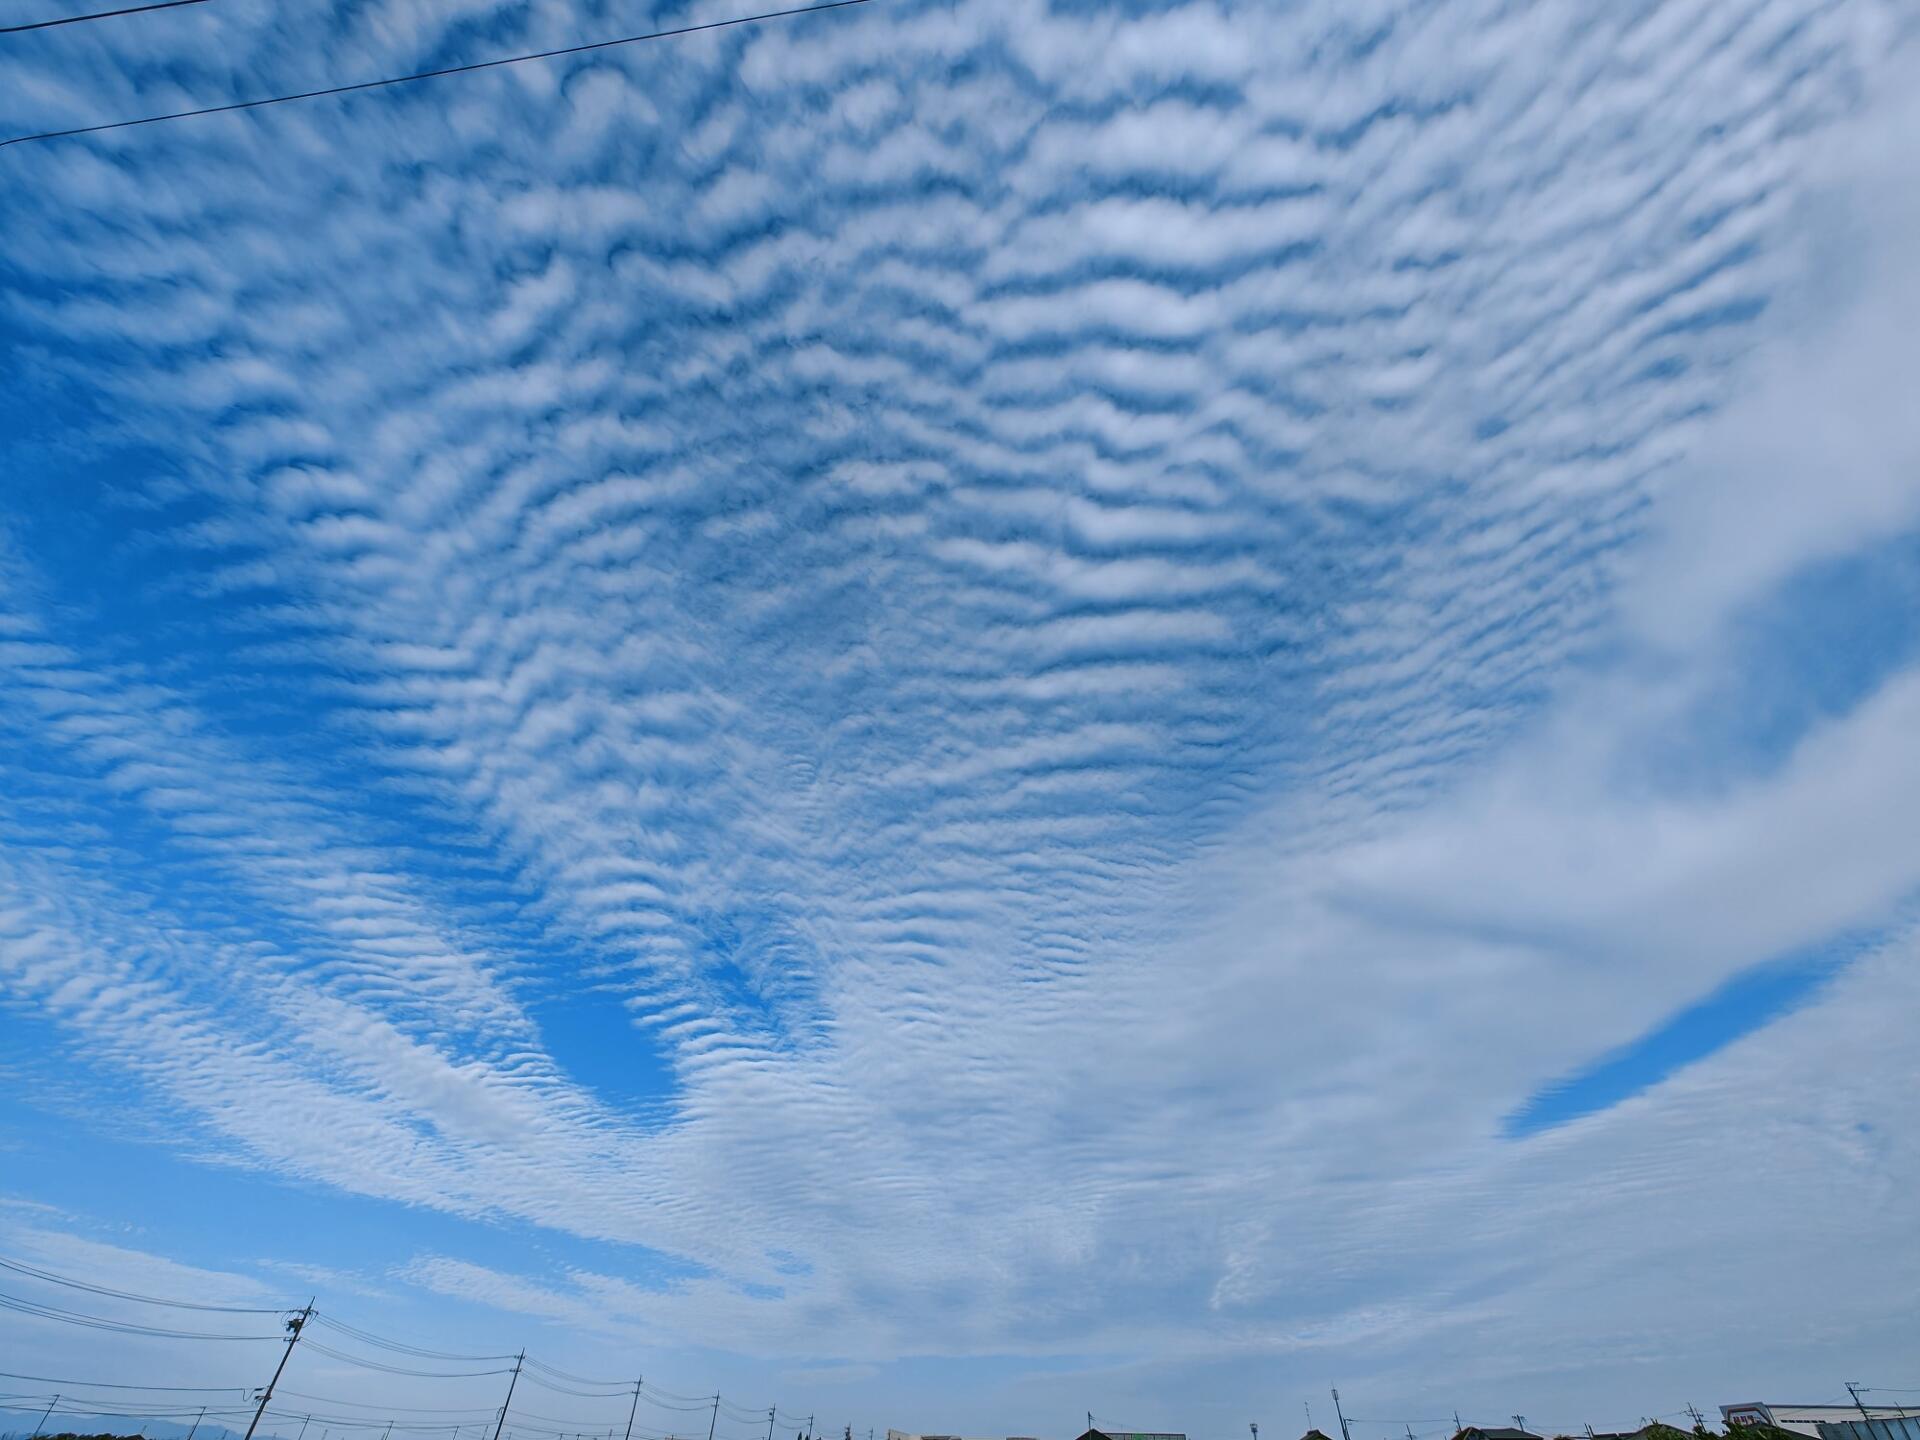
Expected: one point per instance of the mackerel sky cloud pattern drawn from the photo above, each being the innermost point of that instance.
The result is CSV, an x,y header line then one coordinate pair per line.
x,y
977,681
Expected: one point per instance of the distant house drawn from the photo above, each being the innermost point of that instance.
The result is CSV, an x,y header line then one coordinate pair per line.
x,y
1145,1435
1495,1432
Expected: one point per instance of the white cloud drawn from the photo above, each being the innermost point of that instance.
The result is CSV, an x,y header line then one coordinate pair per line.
x,y
683,581
1820,455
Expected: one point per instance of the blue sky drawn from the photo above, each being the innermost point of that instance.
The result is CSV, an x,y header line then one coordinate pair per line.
x,y
955,714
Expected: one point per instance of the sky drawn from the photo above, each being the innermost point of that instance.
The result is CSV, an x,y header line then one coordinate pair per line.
x,y
948,716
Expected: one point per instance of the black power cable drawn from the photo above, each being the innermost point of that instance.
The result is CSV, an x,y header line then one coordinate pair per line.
x,y
435,74
52,1279
119,1327
397,1346
97,15
110,1385
381,1366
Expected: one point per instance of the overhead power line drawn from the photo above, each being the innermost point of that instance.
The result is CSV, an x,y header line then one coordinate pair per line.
x,y
400,1347
469,1411
385,1368
306,1317
554,1370
53,1279
122,1327
97,15
110,1385
435,74
581,1394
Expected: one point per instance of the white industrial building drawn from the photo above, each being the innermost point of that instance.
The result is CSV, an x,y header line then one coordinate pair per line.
x,y
1830,1422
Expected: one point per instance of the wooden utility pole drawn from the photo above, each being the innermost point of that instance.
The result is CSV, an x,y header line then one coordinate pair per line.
x,y
294,1328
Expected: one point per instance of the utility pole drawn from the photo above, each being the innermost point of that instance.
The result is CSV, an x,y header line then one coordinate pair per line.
x,y
1854,1390
294,1326
1519,1422
769,1422
305,1420
1345,1434
716,1417
635,1406
43,1419
1699,1423
196,1422
518,1361
1457,1427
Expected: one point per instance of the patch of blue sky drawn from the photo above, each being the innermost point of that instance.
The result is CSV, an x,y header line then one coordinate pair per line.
x,y
1748,1002
109,552
593,1039
1807,653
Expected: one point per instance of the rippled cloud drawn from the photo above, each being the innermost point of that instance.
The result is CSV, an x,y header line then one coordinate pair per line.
x,y
1000,676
